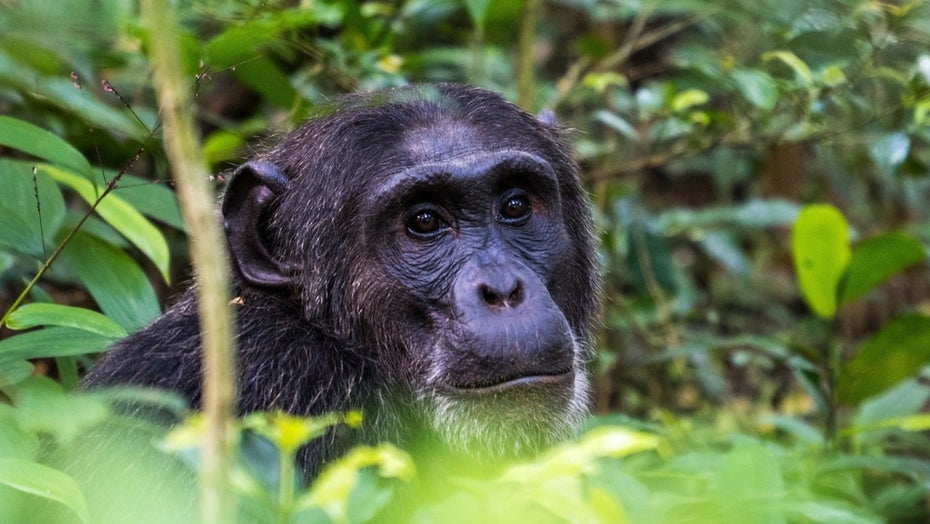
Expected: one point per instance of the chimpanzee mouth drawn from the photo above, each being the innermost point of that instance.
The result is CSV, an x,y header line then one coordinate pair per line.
x,y
513,383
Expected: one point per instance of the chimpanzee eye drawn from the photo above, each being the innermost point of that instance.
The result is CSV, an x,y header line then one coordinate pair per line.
x,y
425,222
515,208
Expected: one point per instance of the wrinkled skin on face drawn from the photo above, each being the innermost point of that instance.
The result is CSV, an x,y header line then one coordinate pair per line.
x,y
424,254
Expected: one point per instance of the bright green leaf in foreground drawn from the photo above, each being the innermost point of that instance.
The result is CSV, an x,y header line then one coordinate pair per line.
x,y
897,352
45,482
331,490
820,245
877,259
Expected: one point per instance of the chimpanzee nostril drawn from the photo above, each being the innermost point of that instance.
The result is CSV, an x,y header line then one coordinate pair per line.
x,y
496,298
490,296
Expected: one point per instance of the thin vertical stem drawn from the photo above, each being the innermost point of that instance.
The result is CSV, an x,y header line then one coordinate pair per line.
x,y
208,256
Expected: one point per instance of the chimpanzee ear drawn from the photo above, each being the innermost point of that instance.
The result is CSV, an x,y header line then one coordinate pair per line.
x,y
547,117
250,197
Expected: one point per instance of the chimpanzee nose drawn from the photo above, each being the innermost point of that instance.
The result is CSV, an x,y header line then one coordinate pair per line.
x,y
507,292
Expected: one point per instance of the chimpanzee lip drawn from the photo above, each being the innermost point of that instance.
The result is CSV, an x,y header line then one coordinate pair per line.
x,y
525,381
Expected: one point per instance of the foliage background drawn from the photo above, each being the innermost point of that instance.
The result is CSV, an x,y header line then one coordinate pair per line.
x,y
703,127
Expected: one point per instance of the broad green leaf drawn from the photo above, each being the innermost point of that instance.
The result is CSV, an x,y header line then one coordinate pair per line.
x,y
153,200
42,406
757,87
902,400
898,351
58,91
15,371
38,142
43,481
42,314
820,246
222,146
123,217
751,483
114,279
242,42
23,230
801,70
51,342
878,259
266,78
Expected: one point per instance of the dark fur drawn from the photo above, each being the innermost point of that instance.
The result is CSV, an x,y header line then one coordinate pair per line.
x,y
333,315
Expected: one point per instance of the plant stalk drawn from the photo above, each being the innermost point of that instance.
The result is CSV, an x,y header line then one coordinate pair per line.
x,y
208,256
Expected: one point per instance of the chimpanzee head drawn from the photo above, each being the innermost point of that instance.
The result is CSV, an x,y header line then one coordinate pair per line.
x,y
442,233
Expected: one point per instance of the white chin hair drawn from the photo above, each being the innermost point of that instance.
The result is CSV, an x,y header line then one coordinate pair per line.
x,y
509,423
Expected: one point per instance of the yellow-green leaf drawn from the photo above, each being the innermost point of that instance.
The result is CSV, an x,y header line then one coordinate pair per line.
x,y
820,245
122,216
688,99
34,478
801,70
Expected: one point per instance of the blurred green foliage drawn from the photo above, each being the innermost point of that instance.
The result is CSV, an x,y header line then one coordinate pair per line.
x,y
759,172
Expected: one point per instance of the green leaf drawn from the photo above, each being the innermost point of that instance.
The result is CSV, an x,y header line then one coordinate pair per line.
x,y
51,342
688,99
898,351
42,406
820,245
15,371
41,314
267,79
801,70
123,217
617,123
153,200
757,87
38,142
34,478
114,279
23,230
58,91
751,483
878,259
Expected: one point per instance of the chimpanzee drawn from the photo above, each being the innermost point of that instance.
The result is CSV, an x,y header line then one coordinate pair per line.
x,y
424,254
